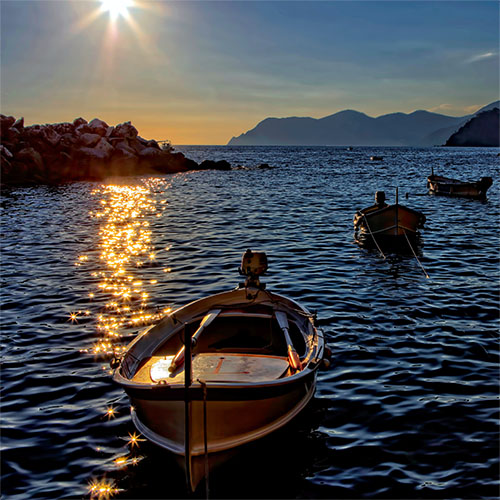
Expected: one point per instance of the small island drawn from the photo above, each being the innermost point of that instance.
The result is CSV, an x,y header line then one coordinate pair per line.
x,y
92,151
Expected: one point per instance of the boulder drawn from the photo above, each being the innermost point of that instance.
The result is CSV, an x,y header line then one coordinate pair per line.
x,y
126,130
150,153
79,121
12,136
6,123
19,124
89,140
97,126
51,136
215,165
123,150
101,151
29,156
83,129
67,142
5,152
152,144
63,128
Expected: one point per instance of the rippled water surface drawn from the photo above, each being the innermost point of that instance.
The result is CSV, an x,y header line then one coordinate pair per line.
x,y
409,408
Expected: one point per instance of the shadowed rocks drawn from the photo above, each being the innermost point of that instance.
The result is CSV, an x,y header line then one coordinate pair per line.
x,y
81,150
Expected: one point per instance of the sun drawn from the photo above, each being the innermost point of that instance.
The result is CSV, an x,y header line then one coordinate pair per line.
x,y
116,8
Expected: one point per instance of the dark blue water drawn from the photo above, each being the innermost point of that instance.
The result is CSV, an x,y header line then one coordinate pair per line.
x,y
410,406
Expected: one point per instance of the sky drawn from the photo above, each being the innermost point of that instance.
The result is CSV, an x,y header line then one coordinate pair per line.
x,y
200,72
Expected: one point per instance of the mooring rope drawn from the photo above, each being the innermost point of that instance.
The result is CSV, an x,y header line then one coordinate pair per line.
x,y
372,235
415,255
205,437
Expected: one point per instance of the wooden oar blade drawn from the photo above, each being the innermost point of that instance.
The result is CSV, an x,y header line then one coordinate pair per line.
x,y
294,358
282,320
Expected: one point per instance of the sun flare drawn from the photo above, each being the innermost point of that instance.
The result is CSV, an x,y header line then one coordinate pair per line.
x,y
116,8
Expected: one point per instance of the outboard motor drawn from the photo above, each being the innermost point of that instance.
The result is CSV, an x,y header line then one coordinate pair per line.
x,y
253,265
485,183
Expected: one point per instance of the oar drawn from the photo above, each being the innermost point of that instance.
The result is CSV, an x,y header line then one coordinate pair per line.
x,y
179,357
293,357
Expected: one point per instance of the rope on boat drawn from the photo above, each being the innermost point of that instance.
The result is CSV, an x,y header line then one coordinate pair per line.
x,y
187,405
205,437
372,235
415,255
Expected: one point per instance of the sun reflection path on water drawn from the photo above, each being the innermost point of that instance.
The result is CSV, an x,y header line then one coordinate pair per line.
x,y
122,271
125,248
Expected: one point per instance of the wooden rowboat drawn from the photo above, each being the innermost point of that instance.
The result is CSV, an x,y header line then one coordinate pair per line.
x,y
387,223
221,372
452,187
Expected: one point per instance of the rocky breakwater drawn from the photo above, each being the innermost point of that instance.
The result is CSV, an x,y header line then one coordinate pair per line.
x,y
65,152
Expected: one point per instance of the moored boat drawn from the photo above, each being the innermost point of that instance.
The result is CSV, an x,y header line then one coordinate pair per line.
x,y
383,223
453,187
222,371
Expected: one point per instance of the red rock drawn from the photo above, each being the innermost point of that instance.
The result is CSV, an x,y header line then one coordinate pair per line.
x,y
89,140
51,136
5,152
149,153
31,157
97,126
102,151
79,121
124,150
19,124
126,130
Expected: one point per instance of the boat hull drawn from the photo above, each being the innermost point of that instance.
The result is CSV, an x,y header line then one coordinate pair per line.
x,y
236,395
233,418
451,187
391,222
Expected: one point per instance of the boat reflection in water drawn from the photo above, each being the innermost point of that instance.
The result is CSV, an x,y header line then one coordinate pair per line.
x,y
222,371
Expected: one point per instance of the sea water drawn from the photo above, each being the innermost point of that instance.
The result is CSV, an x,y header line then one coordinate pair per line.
x,y
409,407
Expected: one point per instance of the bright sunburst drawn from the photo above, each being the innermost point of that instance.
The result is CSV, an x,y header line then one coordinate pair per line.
x,y
116,8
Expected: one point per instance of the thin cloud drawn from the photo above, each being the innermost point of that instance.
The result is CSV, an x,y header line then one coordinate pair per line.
x,y
481,57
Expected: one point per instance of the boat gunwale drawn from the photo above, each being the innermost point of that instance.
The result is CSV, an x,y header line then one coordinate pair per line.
x,y
314,350
389,207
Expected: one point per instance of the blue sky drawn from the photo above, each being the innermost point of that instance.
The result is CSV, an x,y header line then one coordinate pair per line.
x,y
199,72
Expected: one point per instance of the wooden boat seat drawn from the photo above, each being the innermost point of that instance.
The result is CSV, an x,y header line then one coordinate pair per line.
x,y
212,367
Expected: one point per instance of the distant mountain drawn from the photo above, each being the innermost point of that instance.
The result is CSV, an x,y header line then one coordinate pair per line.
x,y
482,130
352,128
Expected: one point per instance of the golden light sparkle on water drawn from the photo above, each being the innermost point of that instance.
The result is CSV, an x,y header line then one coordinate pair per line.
x,y
134,439
125,247
110,412
125,268
102,489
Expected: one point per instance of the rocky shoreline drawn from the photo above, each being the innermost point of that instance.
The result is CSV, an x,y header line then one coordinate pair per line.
x,y
66,152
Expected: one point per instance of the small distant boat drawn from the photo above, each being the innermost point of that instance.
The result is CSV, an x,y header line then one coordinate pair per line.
x,y
222,371
453,187
382,223
376,158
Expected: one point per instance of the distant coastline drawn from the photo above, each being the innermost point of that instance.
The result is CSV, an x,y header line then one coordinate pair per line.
x,y
349,127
